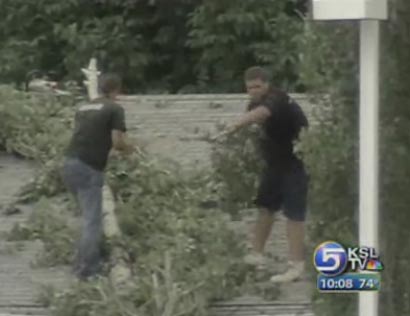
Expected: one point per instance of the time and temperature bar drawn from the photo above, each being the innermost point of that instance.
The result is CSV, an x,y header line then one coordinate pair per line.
x,y
350,282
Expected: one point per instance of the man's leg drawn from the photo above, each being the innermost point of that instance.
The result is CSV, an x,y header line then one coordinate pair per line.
x,y
72,180
296,240
89,247
295,187
89,196
268,201
262,230
296,264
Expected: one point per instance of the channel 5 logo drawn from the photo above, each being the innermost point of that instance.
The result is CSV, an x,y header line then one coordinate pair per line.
x,y
331,258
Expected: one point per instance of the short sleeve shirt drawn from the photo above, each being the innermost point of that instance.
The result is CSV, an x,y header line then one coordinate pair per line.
x,y
281,129
91,141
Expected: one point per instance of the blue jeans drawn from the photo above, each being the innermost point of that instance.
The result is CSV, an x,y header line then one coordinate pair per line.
x,y
86,183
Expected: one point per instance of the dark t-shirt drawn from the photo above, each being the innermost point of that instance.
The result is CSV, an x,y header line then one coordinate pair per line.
x,y
91,141
281,129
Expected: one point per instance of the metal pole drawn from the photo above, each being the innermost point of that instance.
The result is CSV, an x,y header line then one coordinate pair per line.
x,y
369,166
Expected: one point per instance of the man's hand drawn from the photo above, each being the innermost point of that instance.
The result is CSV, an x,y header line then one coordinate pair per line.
x,y
229,130
137,148
127,151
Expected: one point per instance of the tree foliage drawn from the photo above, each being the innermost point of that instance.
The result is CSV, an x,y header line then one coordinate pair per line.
x,y
157,46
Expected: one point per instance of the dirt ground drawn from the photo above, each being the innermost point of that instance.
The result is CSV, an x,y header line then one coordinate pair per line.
x,y
21,283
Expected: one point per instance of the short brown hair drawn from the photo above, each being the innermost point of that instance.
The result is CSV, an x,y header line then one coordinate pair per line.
x,y
109,83
255,73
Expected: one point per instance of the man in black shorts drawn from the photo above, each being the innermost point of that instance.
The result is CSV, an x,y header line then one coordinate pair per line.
x,y
99,127
283,183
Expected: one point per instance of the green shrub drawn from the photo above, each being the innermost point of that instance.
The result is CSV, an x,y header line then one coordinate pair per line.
x,y
329,147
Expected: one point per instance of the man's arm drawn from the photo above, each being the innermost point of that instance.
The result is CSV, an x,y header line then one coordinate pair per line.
x,y
118,132
119,142
257,115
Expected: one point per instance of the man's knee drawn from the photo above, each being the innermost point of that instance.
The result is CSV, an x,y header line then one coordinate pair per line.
x,y
267,213
297,217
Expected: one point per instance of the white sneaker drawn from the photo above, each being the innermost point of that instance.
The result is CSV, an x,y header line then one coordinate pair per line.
x,y
295,272
256,259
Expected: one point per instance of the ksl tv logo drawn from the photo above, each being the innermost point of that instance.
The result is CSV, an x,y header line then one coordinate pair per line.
x,y
331,259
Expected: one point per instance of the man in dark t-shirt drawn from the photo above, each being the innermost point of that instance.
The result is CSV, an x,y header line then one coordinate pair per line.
x,y
99,127
94,123
283,183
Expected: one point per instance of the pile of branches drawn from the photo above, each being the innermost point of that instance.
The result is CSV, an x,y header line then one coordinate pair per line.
x,y
236,165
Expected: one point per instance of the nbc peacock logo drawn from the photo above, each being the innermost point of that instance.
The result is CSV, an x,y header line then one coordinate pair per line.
x,y
374,265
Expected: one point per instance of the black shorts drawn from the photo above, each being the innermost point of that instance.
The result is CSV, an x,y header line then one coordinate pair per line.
x,y
284,189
